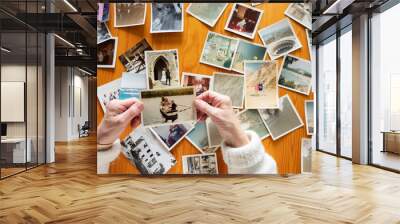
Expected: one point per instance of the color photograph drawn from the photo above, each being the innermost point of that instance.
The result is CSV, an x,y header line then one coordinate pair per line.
x,y
162,68
129,14
208,13
244,20
279,38
134,58
146,153
171,135
219,50
107,53
166,17
295,75
282,121
247,51
251,120
309,111
103,12
231,85
168,106
103,33
131,85
306,155
200,83
200,164
301,13
107,92
214,138
198,136
261,87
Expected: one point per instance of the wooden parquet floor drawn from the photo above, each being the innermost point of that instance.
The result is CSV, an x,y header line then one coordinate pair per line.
x,y
69,191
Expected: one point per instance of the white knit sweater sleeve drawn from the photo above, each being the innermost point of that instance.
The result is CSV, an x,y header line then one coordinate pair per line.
x,y
104,158
250,158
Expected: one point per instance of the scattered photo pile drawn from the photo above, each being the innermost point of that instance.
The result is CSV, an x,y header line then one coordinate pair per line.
x,y
151,74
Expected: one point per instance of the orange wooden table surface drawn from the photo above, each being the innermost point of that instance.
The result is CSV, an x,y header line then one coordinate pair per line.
x,y
286,151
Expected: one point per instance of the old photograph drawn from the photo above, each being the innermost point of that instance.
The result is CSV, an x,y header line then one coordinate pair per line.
x,y
281,121
261,87
231,85
134,58
171,135
129,14
301,13
168,106
162,68
208,13
279,38
146,153
166,17
214,138
200,83
309,42
103,12
247,51
107,53
103,33
309,112
107,92
198,136
295,75
218,50
200,164
306,155
131,84
251,120
244,20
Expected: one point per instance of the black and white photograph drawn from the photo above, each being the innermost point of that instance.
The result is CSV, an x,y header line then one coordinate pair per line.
x,y
247,51
282,121
309,112
145,152
103,33
200,164
306,155
208,13
103,12
107,53
166,17
200,83
168,106
131,85
295,75
134,58
129,14
107,92
261,84
214,138
219,50
171,135
301,13
231,85
162,68
244,20
251,120
279,38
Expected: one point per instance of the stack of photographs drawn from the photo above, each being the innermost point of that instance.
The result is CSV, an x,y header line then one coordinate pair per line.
x,y
200,164
200,83
129,14
282,121
166,17
208,13
244,20
296,75
146,153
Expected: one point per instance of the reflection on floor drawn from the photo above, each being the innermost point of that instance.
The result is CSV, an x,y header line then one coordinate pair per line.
x,y
387,159
69,191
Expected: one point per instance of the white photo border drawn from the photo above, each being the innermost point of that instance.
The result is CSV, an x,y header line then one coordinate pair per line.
x,y
167,31
147,64
178,141
184,162
115,53
291,89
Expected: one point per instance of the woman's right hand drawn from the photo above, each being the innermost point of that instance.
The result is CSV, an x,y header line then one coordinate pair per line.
x,y
219,109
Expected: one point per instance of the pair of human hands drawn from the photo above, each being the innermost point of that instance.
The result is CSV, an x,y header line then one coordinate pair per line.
x,y
120,113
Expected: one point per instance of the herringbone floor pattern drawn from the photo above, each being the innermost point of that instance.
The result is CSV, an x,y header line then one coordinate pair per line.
x,y
69,191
